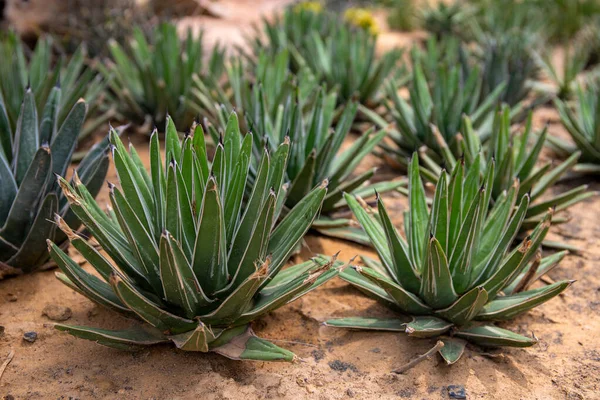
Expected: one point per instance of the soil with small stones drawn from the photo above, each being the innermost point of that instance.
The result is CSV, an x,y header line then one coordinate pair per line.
x,y
336,364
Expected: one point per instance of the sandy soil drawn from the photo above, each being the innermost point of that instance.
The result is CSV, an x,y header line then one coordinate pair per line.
x,y
336,364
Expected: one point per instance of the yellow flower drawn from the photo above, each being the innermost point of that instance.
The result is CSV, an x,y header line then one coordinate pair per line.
x,y
362,18
311,6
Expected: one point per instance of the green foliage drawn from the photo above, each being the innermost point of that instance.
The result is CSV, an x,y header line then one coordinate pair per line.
x,y
280,107
509,59
445,19
39,147
455,271
39,72
582,121
152,77
403,15
340,56
575,59
517,157
431,117
191,256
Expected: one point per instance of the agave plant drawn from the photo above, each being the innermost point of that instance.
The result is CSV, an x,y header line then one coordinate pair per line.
x,y
432,115
29,156
214,98
338,54
280,107
403,15
39,73
517,156
455,272
443,19
152,78
574,61
190,256
582,121
509,59
288,31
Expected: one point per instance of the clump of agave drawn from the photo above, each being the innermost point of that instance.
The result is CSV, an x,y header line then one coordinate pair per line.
x,y
39,72
517,157
508,59
152,77
432,115
191,256
582,121
339,55
278,107
564,81
30,155
443,19
456,272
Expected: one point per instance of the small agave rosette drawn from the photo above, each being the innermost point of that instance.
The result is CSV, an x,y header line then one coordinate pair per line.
x,y
457,271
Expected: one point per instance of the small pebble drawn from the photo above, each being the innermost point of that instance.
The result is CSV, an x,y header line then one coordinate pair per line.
x,y
56,312
457,392
30,336
2,329
11,297
350,393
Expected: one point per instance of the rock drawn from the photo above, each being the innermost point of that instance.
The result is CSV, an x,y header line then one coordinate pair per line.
x,y
9,397
56,312
457,392
341,366
30,336
350,393
11,297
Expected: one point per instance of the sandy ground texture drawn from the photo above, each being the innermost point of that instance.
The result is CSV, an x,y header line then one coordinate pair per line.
x,y
336,364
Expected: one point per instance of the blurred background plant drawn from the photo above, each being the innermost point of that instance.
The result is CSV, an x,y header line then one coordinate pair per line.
x,y
40,69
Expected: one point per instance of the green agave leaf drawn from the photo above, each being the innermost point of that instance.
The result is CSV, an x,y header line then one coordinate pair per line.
x,y
377,324
288,233
351,276
405,300
179,283
9,189
258,243
466,307
453,349
269,299
209,262
405,274
546,264
239,300
418,215
194,340
424,327
149,311
141,243
492,336
129,339
63,144
437,288
33,250
508,307
27,136
23,208
375,232
247,346
50,115
89,285
304,181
